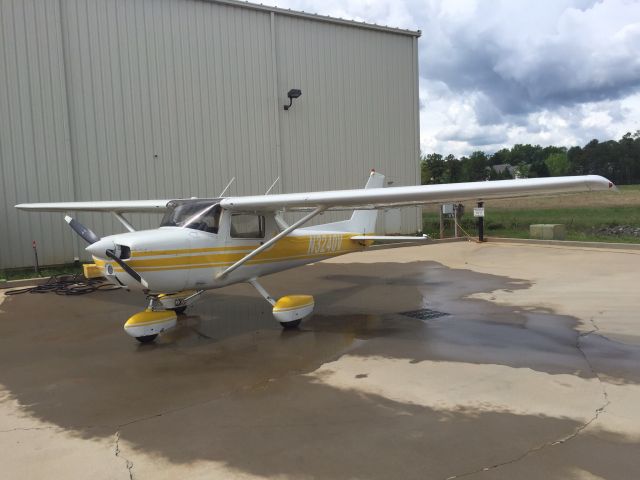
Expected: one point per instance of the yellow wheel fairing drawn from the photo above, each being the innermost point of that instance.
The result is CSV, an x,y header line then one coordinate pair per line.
x,y
150,322
290,302
293,307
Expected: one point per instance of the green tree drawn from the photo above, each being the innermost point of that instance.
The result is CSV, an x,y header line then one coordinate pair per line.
x,y
617,160
558,164
522,170
501,157
475,167
526,154
453,172
432,169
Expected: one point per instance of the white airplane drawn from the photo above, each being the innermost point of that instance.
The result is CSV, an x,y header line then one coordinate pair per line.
x,y
203,244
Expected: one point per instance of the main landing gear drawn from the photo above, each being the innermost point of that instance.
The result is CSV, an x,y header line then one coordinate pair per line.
x,y
288,310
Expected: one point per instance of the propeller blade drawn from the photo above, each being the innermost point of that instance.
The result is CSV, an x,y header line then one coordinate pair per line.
x,y
135,275
81,230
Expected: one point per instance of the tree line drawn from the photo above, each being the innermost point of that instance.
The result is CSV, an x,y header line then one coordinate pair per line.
x,y
619,161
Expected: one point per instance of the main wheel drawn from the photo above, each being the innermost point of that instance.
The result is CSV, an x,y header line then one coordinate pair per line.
x,y
180,310
291,325
147,338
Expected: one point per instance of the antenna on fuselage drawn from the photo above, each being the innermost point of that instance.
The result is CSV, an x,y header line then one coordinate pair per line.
x,y
227,187
272,185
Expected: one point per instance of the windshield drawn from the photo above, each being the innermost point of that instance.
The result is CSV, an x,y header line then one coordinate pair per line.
x,y
196,215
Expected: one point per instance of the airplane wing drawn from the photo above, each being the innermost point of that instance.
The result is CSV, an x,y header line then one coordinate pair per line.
x,y
106,206
357,198
415,195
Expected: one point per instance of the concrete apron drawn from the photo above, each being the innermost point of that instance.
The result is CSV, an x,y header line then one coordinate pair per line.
x,y
516,381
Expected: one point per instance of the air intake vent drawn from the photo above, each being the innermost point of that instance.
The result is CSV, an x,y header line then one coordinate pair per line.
x,y
125,252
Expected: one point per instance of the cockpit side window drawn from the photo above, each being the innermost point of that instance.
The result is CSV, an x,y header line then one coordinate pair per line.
x,y
247,225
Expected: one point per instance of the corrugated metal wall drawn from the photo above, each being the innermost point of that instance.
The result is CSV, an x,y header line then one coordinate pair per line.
x,y
357,108
122,99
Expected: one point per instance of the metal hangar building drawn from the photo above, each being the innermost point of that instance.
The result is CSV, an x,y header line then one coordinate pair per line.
x,y
113,99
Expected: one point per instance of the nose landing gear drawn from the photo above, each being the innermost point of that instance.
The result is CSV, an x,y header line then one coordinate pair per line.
x,y
160,315
145,326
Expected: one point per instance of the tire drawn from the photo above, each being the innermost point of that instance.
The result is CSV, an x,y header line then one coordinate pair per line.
x,y
180,310
291,325
147,338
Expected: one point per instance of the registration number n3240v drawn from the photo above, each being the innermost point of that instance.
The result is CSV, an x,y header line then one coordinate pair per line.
x,y
324,243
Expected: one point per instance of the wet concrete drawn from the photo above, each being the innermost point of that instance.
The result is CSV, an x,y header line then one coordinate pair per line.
x,y
490,390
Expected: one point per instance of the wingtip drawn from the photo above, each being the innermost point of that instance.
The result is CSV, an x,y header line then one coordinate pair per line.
x,y
598,182
610,185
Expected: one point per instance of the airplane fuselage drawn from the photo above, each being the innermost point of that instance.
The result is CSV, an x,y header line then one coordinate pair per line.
x,y
173,259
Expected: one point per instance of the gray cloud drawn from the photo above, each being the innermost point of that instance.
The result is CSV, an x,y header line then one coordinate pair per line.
x,y
485,137
574,53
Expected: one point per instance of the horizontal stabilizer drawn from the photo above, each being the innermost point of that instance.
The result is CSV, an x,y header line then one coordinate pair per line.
x,y
390,238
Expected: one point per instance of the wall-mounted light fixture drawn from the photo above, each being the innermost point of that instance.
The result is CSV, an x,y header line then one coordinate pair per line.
x,y
293,93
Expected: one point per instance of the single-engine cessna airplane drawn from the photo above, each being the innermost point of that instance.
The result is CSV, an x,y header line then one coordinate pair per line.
x,y
203,244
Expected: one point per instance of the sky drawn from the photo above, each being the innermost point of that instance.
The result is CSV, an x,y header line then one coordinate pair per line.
x,y
494,73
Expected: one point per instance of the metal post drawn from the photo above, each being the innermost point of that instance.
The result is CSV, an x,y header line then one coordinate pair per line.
x,y
35,254
455,220
481,224
441,224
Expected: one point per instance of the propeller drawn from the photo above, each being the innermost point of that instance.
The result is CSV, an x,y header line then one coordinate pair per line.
x,y
96,247
85,232
135,275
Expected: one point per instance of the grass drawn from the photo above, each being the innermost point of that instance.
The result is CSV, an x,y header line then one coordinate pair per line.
x,y
582,214
45,272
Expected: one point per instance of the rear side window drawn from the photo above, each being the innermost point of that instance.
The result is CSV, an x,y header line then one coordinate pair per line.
x,y
247,225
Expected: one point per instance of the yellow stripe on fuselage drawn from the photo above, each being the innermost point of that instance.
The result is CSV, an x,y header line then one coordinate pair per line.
x,y
183,251
291,248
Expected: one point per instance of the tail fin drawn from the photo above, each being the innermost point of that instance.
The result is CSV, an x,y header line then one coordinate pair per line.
x,y
361,221
364,221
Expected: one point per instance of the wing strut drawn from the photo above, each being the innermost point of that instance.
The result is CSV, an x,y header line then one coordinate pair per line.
x,y
124,221
267,244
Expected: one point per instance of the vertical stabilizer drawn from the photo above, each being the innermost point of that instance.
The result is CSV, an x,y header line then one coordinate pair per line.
x,y
361,221
364,221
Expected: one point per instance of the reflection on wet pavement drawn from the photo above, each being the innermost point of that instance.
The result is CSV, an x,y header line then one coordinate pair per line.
x,y
359,391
